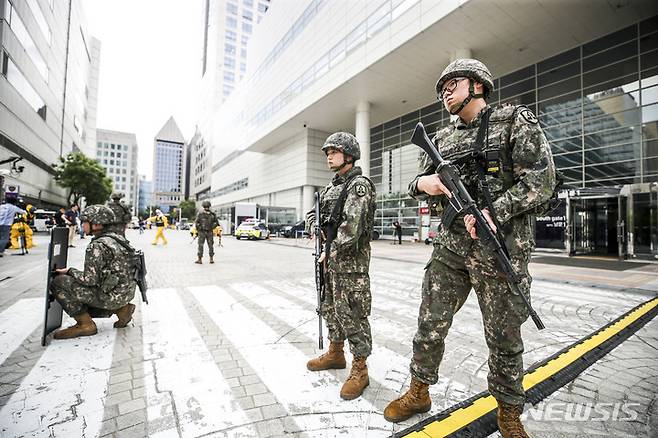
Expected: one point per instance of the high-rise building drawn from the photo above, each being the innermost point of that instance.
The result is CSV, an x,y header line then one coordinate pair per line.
x,y
145,194
117,152
588,70
169,166
48,88
228,27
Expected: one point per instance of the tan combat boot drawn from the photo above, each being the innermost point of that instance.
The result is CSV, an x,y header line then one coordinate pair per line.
x,y
125,315
357,380
334,359
211,260
85,327
198,261
509,423
415,401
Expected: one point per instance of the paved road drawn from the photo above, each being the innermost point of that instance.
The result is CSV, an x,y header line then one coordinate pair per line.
x,y
221,351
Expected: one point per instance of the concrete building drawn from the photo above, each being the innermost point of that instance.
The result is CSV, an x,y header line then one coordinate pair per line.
x,y
145,194
48,90
169,166
117,152
228,27
317,67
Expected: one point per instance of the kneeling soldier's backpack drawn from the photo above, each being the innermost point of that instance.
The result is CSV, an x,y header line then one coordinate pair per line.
x,y
138,263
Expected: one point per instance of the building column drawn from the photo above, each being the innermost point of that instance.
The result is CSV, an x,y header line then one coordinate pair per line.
x,y
362,134
308,201
461,54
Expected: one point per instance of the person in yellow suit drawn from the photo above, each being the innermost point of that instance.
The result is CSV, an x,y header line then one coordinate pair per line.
x,y
218,233
21,227
161,222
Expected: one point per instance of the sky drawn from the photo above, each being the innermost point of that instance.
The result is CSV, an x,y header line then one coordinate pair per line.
x,y
150,66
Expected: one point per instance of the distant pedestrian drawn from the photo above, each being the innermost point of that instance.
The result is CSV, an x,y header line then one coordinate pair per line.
x,y
71,218
142,224
60,221
398,232
7,213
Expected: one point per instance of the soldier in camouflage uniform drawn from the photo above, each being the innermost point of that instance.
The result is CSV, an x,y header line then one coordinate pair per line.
x,y
105,286
521,177
347,302
205,223
121,212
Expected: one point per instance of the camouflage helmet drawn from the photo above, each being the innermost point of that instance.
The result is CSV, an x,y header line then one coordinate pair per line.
x,y
205,204
344,142
98,214
467,68
116,195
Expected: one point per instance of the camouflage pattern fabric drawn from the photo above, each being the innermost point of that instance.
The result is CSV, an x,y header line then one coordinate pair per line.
x,y
206,220
525,180
202,238
105,283
123,216
347,302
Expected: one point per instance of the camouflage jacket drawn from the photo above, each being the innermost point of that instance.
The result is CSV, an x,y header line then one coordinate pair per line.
x,y
350,250
206,221
107,269
525,181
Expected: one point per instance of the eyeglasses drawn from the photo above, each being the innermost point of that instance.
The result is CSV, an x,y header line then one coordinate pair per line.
x,y
449,87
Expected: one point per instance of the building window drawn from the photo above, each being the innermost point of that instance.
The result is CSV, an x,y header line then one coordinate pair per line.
x,y
229,76
27,42
229,49
262,8
23,87
229,62
230,36
246,28
248,3
244,39
247,15
40,19
243,53
231,22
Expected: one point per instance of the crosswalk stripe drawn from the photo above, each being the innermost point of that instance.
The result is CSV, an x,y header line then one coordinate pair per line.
x,y
16,324
185,368
64,393
280,365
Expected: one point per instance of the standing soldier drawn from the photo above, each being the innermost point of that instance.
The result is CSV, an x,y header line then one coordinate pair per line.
x,y
105,286
205,222
121,212
349,200
506,163
161,222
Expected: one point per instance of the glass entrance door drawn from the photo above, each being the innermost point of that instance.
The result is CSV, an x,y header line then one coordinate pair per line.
x,y
595,222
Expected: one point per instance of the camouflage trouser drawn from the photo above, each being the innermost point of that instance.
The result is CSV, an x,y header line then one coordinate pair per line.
x,y
202,238
76,298
346,308
447,283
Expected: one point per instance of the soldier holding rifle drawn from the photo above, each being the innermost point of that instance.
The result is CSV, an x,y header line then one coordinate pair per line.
x,y
504,161
347,208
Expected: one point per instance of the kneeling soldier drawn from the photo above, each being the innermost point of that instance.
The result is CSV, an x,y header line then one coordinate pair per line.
x,y
105,286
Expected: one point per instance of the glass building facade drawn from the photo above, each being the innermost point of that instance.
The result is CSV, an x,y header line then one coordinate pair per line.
x,y
168,174
598,105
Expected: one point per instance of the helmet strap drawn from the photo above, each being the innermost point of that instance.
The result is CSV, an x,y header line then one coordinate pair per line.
x,y
471,95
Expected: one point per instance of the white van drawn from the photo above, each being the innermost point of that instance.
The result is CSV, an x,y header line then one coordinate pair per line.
x,y
41,217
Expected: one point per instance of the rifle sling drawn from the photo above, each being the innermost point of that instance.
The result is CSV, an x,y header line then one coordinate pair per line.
x,y
480,162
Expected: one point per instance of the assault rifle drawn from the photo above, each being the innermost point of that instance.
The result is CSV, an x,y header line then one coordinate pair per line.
x,y
461,201
319,266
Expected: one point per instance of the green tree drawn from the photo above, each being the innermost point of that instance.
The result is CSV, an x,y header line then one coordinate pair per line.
x,y
188,209
83,177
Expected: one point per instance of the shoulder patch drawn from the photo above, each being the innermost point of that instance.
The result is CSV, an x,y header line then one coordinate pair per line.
x,y
528,116
360,189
